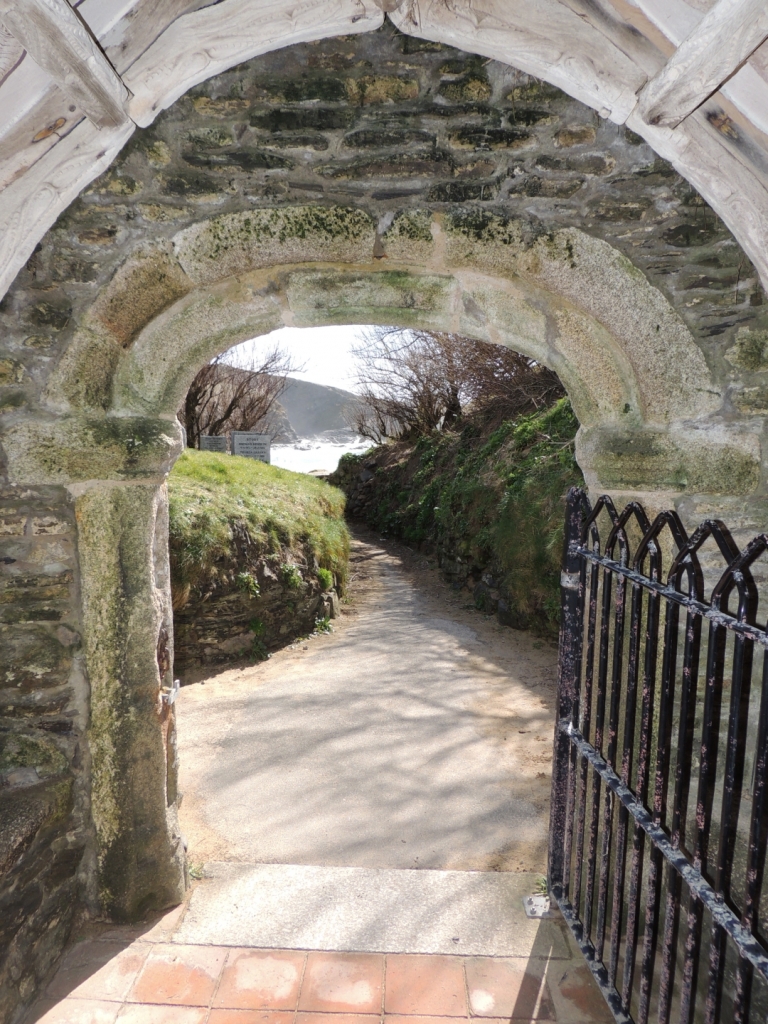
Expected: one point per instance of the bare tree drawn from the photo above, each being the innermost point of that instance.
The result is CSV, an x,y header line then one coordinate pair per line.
x,y
413,382
222,397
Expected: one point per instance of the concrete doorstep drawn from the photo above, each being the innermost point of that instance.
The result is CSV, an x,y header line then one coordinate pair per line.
x,y
376,910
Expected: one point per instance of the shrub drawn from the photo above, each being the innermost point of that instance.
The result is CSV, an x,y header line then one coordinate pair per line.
x,y
247,583
326,579
291,577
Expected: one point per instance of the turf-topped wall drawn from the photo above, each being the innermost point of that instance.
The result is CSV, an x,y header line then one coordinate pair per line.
x,y
259,556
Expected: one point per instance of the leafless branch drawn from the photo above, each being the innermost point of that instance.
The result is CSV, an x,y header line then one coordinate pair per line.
x,y
223,397
413,382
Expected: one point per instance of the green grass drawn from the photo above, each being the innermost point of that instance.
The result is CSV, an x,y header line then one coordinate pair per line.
x,y
221,505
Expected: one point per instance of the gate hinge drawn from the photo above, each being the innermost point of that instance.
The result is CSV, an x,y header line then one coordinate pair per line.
x,y
168,694
570,580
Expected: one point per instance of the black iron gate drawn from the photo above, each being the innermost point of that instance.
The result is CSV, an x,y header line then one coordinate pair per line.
x,y
659,806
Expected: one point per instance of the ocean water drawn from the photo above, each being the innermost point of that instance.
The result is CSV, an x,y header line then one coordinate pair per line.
x,y
316,454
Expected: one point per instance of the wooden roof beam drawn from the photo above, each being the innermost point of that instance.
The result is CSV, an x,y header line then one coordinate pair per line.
x,y
715,50
57,39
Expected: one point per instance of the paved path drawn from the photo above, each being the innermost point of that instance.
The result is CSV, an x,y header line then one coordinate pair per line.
x,y
417,735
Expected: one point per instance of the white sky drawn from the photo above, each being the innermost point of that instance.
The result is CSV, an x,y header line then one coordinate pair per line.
x,y
324,351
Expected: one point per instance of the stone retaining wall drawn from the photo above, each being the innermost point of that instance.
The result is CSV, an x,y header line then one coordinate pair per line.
x,y
234,624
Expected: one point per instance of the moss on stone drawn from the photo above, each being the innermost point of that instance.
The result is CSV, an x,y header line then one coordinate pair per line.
x,y
753,400
84,376
19,750
471,88
479,226
372,89
32,657
139,849
90,448
236,243
413,225
750,351
534,90
144,286
11,372
575,135
648,461
211,136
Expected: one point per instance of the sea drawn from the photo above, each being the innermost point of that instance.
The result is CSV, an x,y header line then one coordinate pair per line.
x,y
317,455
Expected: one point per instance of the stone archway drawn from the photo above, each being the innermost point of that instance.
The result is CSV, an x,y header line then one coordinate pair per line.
x,y
646,399
165,263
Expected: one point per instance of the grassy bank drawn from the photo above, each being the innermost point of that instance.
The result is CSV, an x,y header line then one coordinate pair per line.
x,y
488,498
228,513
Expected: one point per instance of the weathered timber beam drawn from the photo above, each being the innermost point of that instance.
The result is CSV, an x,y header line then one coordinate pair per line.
x,y
60,42
715,50
208,41
31,203
554,43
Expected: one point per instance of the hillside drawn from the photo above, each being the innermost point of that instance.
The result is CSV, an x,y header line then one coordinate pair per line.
x,y
315,409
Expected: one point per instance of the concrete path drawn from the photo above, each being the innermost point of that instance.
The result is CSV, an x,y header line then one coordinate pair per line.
x,y
417,735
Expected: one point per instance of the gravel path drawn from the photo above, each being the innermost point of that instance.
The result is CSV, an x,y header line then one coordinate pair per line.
x,y
416,735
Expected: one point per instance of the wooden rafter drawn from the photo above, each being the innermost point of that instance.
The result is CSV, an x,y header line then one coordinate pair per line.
x,y
60,42
722,41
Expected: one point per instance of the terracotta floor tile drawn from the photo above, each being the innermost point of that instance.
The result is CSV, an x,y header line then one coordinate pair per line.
x,y
430,985
394,1018
338,1018
98,970
140,1013
514,989
338,982
81,1011
576,995
263,980
182,975
251,1017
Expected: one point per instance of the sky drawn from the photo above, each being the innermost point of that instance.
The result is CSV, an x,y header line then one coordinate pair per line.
x,y
324,352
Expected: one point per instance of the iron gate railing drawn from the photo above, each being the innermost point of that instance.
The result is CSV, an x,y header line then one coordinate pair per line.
x,y
659,805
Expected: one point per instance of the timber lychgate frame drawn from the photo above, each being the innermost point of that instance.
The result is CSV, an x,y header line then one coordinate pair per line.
x,y
659,804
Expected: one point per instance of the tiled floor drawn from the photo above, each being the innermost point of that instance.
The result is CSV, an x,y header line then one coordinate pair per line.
x,y
105,980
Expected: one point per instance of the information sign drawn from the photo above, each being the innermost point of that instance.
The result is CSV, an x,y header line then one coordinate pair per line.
x,y
212,443
252,446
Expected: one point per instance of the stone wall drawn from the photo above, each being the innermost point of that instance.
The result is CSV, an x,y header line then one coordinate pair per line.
x,y
234,623
364,179
44,794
